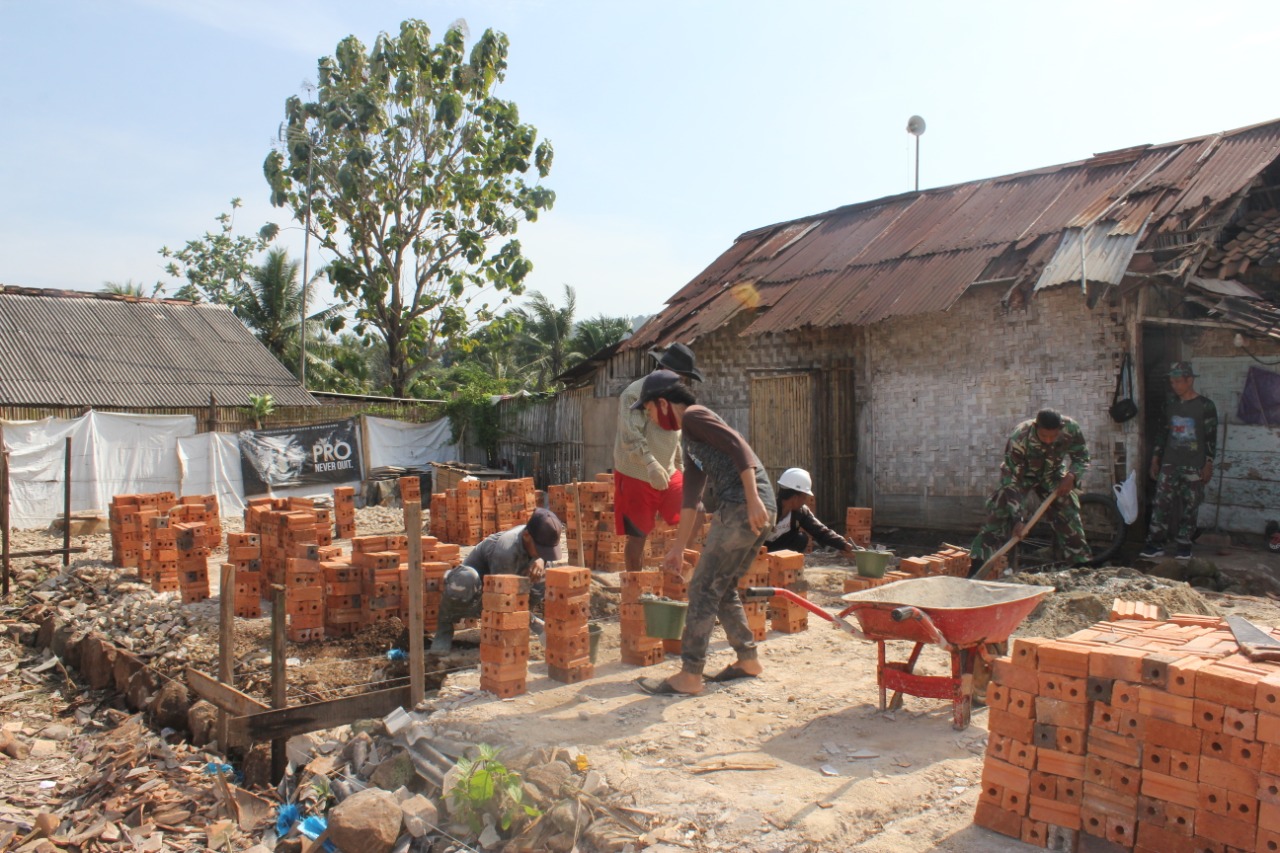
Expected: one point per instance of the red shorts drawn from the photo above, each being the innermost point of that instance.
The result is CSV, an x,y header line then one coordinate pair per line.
x,y
636,503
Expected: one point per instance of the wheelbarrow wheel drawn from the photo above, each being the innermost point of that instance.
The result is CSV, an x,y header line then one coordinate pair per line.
x,y
1104,528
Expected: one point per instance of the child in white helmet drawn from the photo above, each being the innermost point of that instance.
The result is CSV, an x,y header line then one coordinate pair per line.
x,y
796,522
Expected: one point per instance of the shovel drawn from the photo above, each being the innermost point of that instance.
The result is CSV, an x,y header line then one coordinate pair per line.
x,y
1014,540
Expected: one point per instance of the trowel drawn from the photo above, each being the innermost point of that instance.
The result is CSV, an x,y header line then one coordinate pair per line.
x,y
1255,643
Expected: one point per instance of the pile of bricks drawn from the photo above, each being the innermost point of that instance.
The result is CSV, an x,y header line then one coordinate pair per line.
x,y
478,508
857,583
949,561
590,529
244,554
1139,610
568,610
288,528
757,610
857,525
167,539
638,648
344,512
504,635
786,568
1135,735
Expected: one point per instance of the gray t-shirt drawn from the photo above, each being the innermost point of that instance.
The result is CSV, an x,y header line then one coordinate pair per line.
x,y
714,454
501,554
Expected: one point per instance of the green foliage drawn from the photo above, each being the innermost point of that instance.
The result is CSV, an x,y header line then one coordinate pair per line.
x,y
218,265
485,787
472,415
261,406
130,287
599,332
413,172
545,341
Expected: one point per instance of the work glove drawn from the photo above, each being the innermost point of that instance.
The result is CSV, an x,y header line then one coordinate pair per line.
x,y
657,475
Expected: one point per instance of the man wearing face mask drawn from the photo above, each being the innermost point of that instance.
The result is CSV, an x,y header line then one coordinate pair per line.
x,y
723,472
647,462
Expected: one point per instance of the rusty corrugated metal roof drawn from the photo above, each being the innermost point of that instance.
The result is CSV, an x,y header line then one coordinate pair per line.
x,y
86,349
918,252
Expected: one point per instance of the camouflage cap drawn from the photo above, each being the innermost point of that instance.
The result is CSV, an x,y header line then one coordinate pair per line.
x,y
1181,368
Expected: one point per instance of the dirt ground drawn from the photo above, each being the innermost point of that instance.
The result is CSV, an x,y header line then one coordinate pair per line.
x,y
800,759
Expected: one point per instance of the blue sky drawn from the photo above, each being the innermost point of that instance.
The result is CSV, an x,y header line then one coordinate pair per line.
x,y
129,124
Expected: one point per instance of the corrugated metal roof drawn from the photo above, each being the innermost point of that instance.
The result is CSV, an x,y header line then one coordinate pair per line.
x,y
918,252
85,349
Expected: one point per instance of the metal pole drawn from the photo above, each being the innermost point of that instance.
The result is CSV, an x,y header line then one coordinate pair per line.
x,y
917,162
306,258
66,508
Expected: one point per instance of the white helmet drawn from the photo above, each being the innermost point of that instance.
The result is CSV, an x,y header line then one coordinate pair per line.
x,y
796,479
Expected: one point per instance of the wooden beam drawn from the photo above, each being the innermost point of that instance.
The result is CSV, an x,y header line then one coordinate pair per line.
x,y
279,696
284,723
223,696
226,640
48,552
413,530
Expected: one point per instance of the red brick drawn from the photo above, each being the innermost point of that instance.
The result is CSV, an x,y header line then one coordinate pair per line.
x,y
1043,785
1182,675
1208,715
1268,841
1227,685
1118,663
1154,702
1224,774
1034,832
1233,833
1005,673
1240,723
1269,816
1020,704
1054,812
1268,728
1060,763
1070,740
991,816
1063,658
1064,687
997,696
1115,747
1173,736
1025,652
1267,697
1018,728
1152,837
1269,788
1105,718
1158,786
1057,712
1124,696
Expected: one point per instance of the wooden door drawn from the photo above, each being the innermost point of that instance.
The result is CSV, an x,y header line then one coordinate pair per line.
x,y
783,423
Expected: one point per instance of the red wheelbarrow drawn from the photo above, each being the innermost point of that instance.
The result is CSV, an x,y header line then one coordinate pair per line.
x,y
962,616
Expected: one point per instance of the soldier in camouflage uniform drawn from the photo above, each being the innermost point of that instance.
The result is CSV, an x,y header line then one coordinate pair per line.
x,y
1181,461
1035,464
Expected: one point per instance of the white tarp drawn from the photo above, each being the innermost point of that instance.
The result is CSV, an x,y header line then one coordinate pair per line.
x,y
111,454
119,454
408,445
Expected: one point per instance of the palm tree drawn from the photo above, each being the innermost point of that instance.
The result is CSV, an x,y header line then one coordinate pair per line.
x,y
545,341
599,332
270,305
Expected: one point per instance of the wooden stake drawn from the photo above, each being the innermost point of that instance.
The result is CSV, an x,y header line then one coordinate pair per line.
x,y
4,511
66,508
279,758
413,530
226,642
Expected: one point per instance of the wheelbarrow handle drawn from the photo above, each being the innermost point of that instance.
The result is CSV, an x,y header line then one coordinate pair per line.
x,y
915,614
778,592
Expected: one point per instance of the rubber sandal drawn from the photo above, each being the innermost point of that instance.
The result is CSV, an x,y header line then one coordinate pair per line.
x,y
732,672
659,687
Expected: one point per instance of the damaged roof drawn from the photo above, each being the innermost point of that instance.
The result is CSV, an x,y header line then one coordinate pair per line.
x,y
60,348
919,252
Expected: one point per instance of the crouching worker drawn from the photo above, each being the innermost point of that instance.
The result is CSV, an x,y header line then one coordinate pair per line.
x,y
797,523
523,550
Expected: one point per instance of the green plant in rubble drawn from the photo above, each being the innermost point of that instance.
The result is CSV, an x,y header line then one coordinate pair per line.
x,y
260,408
486,787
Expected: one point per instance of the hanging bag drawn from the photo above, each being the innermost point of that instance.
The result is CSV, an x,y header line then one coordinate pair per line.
x,y
1123,407
1127,498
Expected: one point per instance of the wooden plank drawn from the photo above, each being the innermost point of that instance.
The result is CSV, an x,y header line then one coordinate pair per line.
x,y
413,529
227,698
279,697
300,719
226,639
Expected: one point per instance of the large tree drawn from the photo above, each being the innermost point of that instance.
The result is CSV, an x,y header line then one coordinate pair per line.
x,y
218,266
409,170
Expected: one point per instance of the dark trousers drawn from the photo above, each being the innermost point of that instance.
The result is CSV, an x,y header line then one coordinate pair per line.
x,y
792,540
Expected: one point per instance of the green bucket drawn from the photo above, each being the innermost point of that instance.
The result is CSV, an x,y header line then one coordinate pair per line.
x,y
872,564
664,620
594,630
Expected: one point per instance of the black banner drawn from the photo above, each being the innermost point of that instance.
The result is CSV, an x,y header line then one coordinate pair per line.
x,y
299,456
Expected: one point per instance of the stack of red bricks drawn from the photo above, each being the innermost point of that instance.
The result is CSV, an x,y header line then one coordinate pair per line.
x,y
567,607
344,512
786,569
1139,610
478,508
587,512
197,531
129,518
167,539
504,635
288,528
244,553
857,525
1153,736
638,648
949,561
757,610
377,560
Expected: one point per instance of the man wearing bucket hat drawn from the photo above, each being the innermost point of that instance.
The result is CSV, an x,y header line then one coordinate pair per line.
x,y
797,523
522,550
1036,464
722,472
647,462
1181,461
